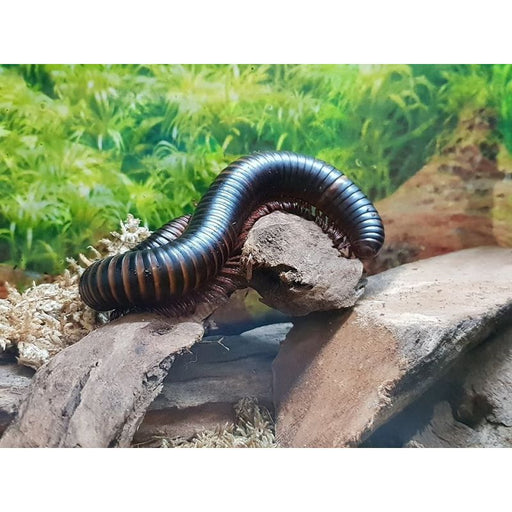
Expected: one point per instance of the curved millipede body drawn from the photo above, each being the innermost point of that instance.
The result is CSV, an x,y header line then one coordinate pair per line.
x,y
197,258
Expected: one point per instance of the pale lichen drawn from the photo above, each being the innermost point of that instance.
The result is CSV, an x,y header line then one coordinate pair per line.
x,y
46,318
253,428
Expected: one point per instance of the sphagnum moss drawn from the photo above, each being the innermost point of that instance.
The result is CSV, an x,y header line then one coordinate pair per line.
x,y
46,318
253,428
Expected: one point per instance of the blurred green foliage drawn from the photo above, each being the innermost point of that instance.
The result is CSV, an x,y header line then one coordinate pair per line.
x,y
83,145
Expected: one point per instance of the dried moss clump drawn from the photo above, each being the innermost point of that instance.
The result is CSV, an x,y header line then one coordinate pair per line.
x,y
46,318
253,428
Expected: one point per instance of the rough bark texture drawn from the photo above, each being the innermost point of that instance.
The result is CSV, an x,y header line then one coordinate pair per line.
x,y
470,406
14,382
291,263
200,390
95,393
339,377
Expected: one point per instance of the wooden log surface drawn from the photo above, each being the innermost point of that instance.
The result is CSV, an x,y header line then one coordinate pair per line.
x,y
200,391
339,377
95,393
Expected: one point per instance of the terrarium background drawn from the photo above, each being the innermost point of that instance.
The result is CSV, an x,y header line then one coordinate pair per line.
x,y
81,146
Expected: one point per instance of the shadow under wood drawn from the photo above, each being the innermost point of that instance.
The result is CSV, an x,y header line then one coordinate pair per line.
x,y
468,406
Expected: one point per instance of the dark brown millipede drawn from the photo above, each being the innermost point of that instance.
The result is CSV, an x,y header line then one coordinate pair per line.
x,y
197,258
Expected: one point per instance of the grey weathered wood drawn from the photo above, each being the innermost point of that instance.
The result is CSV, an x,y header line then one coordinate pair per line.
x,y
95,392
479,413
14,383
339,377
199,391
295,268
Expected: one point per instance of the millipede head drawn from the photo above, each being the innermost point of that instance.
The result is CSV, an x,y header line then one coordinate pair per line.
x,y
366,249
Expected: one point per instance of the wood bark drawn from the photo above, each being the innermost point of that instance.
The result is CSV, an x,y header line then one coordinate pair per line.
x,y
95,393
338,377
200,391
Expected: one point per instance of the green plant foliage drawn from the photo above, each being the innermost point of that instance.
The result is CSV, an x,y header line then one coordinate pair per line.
x,y
83,145
501,80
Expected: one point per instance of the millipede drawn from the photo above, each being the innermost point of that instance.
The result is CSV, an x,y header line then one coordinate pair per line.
x,y
196,258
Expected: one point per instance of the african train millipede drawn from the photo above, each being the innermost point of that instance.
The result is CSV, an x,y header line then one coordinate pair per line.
x,y
197,258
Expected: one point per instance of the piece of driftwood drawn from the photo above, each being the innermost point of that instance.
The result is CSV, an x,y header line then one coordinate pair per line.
x,y
295,268
198,394
338,377
470,406
95,393
14,382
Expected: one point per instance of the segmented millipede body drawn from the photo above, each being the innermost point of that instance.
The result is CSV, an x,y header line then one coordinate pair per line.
x,y
196,258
